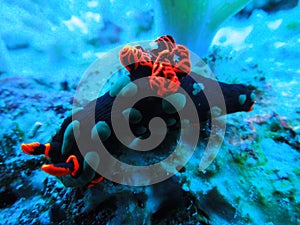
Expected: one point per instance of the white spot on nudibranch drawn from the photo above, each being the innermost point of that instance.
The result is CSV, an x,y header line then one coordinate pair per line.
x,y
253,97
171,122
242,99
174,103
140,130
198,87
133,115
102,130
118,86
129,90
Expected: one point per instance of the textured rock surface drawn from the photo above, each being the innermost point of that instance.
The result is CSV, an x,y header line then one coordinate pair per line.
x,y
255,178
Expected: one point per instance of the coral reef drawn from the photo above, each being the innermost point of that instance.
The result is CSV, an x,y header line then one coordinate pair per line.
x,y
196,32
253,180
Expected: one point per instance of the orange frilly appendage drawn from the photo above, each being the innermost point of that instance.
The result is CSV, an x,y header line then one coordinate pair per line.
x,y
133,57
163,86
184,63
166,42
168,62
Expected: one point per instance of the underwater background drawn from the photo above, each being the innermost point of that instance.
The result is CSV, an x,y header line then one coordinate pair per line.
x,y
46,46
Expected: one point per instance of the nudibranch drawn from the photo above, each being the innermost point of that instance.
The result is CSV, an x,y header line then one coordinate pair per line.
x,y
168,68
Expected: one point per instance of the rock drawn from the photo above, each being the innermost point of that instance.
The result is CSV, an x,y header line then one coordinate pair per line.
x,y
7,197
270,6
215,204
44,218
57,214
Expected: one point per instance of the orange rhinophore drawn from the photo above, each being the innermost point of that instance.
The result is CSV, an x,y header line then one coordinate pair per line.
x,y
56,170
73,158
47,150
71,166
95,181
30,148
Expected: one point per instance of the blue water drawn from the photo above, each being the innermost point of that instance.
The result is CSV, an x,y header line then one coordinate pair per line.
x,y
47,48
